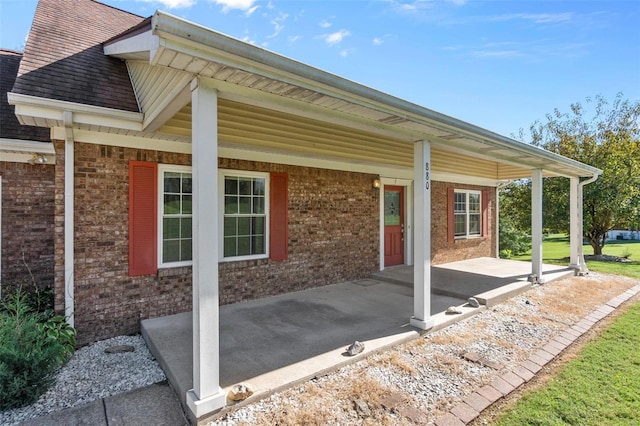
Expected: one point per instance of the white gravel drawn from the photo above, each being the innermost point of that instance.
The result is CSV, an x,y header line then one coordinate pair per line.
x,y
92,374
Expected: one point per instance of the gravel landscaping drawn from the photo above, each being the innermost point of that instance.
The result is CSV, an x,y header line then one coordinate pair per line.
x,y
413,383
92,374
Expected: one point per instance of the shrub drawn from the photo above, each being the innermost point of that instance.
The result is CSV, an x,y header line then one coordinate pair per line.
x,y
32,347
505,254
512,240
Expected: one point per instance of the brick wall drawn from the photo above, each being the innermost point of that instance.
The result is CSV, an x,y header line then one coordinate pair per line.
x,y
443,251
27,223
333,236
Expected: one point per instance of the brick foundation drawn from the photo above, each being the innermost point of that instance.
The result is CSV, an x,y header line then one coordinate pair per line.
x,y
27,224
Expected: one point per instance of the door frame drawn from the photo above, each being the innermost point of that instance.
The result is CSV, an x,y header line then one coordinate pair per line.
x,y
408,218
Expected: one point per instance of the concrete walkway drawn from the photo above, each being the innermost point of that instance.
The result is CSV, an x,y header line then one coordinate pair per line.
x,y
151,405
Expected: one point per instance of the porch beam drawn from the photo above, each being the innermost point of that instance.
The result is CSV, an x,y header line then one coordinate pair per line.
x,y
536,224
206,395
422,236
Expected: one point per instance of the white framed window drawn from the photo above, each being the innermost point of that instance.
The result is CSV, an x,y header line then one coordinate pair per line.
x,y
244,212
175,196
467,210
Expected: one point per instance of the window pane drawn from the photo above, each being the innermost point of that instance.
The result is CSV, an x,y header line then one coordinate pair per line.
x,y
172,182
186,183
392,208
171,204
230,205
460,225
185,249
244,205
186,227
171,251
474,203
257,226
170,228
258,205
244,246
245,186
257,243
244,227
230,247
230,226
258,186
230,186
186,204
474,224
460,203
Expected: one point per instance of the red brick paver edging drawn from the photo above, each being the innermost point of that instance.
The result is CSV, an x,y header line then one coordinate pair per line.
x,y
473,404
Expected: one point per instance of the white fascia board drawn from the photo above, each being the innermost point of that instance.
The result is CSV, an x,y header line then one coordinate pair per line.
x,y
31,147
50,109
182,36
126,141
139,46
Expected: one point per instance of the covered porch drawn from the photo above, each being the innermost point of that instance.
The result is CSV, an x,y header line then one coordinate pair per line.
x,y
278,341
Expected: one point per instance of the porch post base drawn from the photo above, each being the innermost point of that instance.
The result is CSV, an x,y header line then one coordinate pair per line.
x,y
421,324
202,407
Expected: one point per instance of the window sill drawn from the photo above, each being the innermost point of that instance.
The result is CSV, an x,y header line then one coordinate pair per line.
x,y
243,258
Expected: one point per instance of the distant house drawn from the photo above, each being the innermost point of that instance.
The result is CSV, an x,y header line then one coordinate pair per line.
x,y
193,169
623,234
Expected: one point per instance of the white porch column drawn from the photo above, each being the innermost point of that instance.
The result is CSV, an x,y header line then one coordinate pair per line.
x,y
422,236
69,226
575,224
206,395
536,224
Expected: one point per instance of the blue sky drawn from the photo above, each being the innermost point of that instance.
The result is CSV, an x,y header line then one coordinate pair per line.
x,y
497,64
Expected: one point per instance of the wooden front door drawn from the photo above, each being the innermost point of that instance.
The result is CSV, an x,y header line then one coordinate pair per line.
x,y
393,225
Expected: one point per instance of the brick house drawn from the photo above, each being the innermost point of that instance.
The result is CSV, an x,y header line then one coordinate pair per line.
x,y
193,169
26,216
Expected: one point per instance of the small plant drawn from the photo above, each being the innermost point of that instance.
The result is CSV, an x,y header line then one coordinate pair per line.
x,y
505,254
626,253
32,346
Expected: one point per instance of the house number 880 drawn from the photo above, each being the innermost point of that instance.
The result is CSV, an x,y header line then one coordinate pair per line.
x,y
426,175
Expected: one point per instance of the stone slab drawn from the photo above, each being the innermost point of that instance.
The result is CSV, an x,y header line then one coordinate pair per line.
x,y
152,405
84,415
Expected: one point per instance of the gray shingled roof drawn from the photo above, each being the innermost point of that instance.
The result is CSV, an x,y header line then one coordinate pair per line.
x,y
10,127
64,60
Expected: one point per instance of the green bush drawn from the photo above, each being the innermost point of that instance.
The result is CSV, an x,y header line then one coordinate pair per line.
x,y
32,346
512,240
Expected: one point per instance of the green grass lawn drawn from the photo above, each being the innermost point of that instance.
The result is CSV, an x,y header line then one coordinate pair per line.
x,y
600,387
555,250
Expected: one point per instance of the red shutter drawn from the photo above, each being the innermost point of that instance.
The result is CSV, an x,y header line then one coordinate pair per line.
x,y
143,181
485,213
451,226
279,212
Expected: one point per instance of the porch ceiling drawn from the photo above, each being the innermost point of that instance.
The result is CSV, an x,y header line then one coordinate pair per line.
x,y
277,103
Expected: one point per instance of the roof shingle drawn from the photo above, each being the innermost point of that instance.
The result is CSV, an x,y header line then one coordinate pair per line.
x,y
64,60
10,127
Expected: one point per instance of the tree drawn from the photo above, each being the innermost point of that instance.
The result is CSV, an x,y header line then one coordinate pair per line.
x,y
606,138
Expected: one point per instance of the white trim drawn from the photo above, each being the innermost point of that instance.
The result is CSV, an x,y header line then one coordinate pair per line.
x,y
69,243
30,107
22,151
467,213
125,141
162,168
407,184
222,174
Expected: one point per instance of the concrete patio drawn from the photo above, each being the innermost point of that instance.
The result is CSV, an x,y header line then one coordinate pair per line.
x,y
275,342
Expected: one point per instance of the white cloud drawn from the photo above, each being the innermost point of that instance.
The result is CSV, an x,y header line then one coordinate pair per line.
x,y
250,11
278,24
346,52
294,38
536,18
173,4
377,41
325,24
233,4
335,38
248,39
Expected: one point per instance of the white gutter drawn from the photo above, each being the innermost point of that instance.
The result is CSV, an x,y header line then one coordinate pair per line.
x,y
68,219
583,270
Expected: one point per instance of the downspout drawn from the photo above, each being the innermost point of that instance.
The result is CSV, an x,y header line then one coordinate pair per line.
x,y
583,270
68,218
498,187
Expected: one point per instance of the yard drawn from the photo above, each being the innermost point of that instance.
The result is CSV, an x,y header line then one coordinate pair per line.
x,y
555,250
